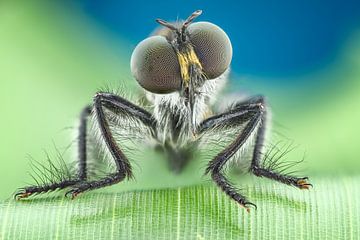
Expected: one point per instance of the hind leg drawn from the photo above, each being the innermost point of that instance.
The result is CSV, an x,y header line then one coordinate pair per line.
x,y
120,107
252,115
256,167
258,170
64,183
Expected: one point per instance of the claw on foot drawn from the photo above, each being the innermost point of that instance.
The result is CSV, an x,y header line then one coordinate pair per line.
x,y
72,194
303,183
22,195
248,205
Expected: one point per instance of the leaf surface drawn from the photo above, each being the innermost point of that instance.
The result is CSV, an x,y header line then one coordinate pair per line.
x,y
331,210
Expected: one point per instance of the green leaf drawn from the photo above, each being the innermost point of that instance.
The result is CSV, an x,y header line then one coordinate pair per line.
x,y
331,210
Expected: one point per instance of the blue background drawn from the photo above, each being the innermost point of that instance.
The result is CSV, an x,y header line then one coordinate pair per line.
x,y
270,38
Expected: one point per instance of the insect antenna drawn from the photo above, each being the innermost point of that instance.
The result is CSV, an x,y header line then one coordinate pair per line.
x,y
168,25
180,33
190,19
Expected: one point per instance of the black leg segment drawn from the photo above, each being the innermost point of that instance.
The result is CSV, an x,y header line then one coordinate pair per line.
x,y
28,191
117,105
248,113
252,115
79,184
256,166
82,142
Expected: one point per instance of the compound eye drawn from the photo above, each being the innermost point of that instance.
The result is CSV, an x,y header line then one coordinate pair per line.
x,y
155,66
212,46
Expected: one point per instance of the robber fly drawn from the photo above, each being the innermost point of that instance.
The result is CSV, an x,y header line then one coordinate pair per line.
x,y
181,68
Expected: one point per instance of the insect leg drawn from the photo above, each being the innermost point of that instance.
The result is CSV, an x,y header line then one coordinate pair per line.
x,y
256,166
252,113
82,142
27,191
248,114
117,105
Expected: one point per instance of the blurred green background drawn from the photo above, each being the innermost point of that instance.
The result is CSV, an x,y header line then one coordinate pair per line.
x,y
55,55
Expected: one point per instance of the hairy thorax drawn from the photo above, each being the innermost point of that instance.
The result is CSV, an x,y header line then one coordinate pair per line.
x,y
176,124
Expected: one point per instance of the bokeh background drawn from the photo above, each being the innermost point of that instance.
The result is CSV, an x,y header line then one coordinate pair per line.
x,y
303,55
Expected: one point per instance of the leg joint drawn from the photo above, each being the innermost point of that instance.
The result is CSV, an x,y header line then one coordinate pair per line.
x,y
261,105
98,97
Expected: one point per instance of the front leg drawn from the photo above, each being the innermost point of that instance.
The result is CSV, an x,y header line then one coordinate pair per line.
x,y
251,115
248,114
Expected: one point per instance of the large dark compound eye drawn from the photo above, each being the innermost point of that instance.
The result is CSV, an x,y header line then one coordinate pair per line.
x,y
212,46
155,66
